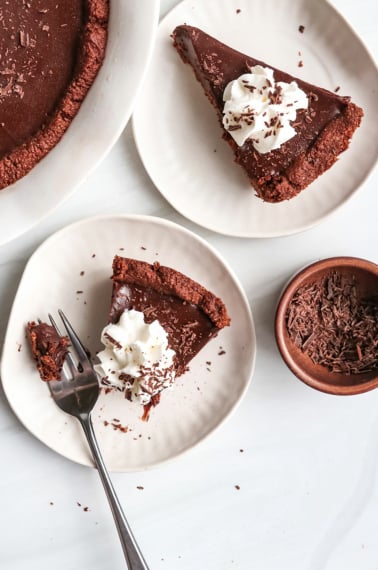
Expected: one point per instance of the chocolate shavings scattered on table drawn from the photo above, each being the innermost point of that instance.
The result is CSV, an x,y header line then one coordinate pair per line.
x,y
330,322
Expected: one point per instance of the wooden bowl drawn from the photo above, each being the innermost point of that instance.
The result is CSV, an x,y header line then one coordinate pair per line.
x,y
315,375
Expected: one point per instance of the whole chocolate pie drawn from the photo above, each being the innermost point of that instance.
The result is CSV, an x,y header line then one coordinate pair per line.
x,y
284,132
50,53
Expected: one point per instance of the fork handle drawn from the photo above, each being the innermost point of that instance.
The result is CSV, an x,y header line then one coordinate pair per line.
x,y
133,555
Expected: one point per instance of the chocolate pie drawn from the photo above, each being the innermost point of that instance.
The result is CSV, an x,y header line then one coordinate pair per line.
x,y
307,127
50,53
189,314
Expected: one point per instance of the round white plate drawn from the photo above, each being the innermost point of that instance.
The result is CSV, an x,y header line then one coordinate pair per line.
x,y
100,121
177,130
71,270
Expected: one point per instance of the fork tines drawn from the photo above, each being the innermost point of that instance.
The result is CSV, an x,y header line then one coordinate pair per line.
x,y
80,350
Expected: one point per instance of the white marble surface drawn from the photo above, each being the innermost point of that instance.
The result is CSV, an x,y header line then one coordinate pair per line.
x,y
308,497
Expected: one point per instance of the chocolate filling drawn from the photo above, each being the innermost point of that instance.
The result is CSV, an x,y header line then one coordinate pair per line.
x,y
188,328
48,348
190,314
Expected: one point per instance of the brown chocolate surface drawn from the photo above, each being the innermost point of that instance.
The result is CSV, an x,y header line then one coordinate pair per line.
x,y
328,123
48,348
189,313
50,54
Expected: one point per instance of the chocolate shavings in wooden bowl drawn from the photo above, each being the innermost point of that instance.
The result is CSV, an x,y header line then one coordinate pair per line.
x,y
331,323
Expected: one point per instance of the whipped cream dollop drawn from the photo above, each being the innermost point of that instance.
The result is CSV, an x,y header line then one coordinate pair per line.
x,y
260,109
136,357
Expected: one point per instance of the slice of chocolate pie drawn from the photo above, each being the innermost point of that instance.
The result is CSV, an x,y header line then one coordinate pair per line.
x,y
48,348
50,53
284,132
159,320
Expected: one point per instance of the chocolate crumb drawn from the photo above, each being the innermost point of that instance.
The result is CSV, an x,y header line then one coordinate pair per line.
x,y
221,352
116,425
140,487
82,273
300,63
237,487
337,89
301,29
238,11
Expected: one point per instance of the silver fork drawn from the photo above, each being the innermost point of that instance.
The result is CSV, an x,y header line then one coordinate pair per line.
x,y
76,394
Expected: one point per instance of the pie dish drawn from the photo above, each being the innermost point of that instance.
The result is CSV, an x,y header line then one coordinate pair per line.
x,y
319,131
46,70
97,126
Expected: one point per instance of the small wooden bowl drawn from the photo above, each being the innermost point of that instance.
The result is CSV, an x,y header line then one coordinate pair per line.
x,y
316,375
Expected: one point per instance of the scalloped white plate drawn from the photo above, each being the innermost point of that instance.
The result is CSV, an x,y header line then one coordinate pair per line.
x,y
100,121
201,399
193,167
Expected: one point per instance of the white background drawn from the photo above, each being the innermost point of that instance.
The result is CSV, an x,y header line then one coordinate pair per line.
x,y
308,496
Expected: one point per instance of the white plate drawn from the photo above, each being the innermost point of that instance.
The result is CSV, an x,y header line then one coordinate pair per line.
x,y
200,400
100,121
193,167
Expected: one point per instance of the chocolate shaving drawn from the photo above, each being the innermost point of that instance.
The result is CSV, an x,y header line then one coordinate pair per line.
x,y
334,325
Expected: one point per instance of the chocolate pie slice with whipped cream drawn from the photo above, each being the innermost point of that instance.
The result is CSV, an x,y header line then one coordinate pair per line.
x,y
284,132
159,320
50,54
